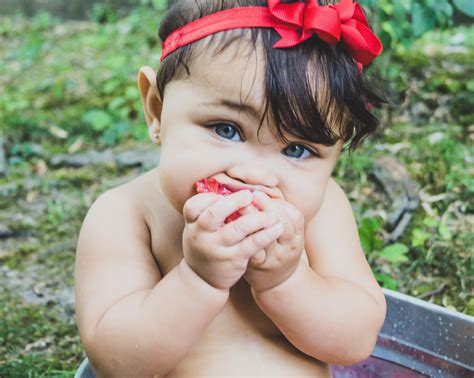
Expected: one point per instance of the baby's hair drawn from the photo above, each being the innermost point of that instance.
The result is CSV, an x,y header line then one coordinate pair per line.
x,y
314,90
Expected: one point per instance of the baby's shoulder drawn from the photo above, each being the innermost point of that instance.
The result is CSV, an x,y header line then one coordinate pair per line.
x,y
335,195
131,197
119,208
147,211
138,191
117,228
123,208
335,207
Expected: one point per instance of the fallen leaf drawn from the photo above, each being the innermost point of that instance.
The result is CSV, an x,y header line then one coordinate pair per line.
x,y
40,167
76,146
58,132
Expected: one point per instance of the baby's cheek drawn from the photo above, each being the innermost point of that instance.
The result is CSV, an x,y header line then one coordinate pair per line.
x,y
174,188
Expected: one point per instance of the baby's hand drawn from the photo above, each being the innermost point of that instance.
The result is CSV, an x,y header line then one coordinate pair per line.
x,y
278,261
219,252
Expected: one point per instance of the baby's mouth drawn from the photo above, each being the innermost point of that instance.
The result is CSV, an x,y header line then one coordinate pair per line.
x,y
234,186
212,186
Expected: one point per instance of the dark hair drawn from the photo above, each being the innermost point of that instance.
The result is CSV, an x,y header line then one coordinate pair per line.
x,y
305,103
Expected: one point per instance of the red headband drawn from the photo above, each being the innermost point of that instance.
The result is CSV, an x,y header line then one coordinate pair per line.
x,y
294,23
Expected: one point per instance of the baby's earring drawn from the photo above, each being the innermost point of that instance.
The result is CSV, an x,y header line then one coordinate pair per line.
x,y
156,134
156,137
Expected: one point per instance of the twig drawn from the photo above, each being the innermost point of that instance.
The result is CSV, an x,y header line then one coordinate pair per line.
x,y
434,292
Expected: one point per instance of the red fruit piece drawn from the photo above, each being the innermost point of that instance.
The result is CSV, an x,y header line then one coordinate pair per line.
x,y
212,186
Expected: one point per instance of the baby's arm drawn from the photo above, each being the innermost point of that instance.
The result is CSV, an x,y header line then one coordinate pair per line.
x,y
132,322
334,309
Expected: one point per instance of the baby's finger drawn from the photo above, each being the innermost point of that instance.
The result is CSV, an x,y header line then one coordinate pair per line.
x,y
294,223
259,240
266,203
237,230
288,231
262,200
290,216
195,205
258,258
214,216
293,214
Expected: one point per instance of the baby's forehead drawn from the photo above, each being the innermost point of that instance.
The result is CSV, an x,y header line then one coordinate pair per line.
x,y
235,74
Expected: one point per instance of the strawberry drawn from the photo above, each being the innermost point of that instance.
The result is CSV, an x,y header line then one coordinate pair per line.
x,y
212,186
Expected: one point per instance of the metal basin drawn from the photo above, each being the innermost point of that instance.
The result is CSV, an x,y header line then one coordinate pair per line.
x,y
418,339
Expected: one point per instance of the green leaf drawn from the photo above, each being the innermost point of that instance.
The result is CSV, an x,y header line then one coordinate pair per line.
x,y
365,241
386,281
109,137
111,85
371,224
423,19
131,93
116,103
465,6
441,7
97,119
115,134
430,222
389,29
368,233
378,243
444,232
116,62
418,237
470,306
160,5
470,85
395,253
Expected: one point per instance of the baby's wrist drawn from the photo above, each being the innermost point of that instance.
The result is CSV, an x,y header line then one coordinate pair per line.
x,y
196,283
284,285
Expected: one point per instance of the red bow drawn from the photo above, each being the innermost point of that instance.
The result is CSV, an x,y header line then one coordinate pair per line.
x,y
332,23
294,22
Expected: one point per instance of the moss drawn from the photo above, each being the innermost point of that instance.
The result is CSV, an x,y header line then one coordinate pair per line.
x,y
32,341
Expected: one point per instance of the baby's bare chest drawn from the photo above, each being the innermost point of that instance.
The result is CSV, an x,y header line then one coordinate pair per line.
x,y
241,340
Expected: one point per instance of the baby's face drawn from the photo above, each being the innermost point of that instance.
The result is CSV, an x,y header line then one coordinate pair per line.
x,y
206,134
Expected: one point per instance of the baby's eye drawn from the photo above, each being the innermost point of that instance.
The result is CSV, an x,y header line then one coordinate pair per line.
x,y
226,131
297,151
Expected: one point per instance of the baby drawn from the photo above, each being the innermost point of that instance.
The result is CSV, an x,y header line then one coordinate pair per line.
x,y
239,255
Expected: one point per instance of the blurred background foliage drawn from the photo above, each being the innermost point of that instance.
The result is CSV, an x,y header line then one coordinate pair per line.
x,y
68,82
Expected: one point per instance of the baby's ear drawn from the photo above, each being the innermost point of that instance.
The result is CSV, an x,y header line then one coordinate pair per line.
x,y
151,99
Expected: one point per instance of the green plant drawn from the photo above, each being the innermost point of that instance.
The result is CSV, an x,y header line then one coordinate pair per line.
x,y
399,23
381,257
56,212
464,6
